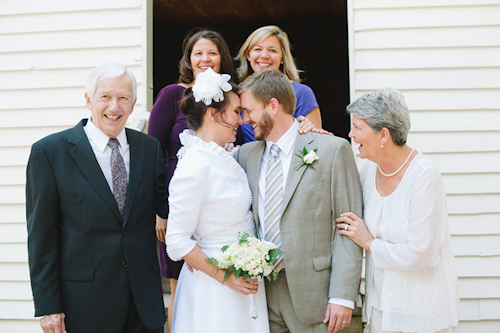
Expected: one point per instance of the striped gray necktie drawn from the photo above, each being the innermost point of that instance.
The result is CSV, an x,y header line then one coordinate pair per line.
x,y
273,201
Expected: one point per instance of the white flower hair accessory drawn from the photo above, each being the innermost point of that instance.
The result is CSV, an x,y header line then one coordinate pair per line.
x,y
210,86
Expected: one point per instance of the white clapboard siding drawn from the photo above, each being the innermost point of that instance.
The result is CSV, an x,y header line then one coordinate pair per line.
x,y
12,233
370,4
18,290
76,20
472,183
447,99
422,17
17,326
13,7
423,58
466,162
449,78
444,56
13,213
12,156
14,271
63,117
81,58
444,121
15,175
442,40
48,49
464,224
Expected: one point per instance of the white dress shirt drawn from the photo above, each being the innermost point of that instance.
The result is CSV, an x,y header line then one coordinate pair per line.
x,y
285,143
99,143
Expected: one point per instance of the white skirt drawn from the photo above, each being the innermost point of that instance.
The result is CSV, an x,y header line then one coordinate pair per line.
x,y
202,304
375,325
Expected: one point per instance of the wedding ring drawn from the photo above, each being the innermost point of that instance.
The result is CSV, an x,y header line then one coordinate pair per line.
x,y
344,322
346,225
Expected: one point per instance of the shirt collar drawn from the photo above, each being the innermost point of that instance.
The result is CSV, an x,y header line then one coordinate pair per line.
x,y
287,140
100,139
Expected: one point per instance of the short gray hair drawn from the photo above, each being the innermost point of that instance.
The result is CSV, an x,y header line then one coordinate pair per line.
x,y
384,108
106,71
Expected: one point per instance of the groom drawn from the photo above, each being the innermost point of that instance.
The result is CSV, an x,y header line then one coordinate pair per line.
x,y
295,203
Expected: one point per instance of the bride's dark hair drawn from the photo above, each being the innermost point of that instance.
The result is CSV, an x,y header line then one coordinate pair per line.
x,y
196,110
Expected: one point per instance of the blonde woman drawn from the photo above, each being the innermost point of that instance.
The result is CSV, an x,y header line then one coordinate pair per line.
x,y
269,47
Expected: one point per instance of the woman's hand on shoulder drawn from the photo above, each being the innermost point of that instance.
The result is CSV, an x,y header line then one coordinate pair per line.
x,y
307,126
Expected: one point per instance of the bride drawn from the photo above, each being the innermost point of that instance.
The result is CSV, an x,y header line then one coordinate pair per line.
x,y
209,204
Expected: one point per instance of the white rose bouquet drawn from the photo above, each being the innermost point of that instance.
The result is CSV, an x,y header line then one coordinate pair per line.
x,y
248,257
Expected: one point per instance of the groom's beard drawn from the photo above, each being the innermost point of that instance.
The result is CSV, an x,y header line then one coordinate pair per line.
x,y
264,127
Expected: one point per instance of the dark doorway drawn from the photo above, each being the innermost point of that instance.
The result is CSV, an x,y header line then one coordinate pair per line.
x,y
317,31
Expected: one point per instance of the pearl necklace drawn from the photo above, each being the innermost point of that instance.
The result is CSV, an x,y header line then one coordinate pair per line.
x,y
401,167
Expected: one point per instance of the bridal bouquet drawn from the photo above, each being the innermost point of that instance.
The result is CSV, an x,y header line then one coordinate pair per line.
x,y
248,257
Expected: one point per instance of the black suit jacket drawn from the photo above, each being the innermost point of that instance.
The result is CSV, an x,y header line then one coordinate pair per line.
x,y
84,259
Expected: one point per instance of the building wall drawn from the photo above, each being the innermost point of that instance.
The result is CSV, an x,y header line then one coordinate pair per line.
x,y
48,49
444,55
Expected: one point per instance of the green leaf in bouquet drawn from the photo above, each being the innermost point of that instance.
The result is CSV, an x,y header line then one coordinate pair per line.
x,y
229,270
245,275
273,254
237,272
242,238
212,261
275,276
224,248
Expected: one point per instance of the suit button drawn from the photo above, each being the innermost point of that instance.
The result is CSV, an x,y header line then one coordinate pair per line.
x,y
124,233
124,264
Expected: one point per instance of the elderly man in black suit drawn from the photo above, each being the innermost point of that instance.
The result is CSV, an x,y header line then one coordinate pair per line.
x,y
91,197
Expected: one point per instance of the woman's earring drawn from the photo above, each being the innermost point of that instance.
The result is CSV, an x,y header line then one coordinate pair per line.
x,y
381,146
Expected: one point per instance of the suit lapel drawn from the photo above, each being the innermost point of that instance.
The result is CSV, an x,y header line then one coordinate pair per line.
x,y
253,171
84,157
136,165
294,175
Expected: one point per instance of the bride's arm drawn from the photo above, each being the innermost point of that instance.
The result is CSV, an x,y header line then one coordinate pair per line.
x,y
196,258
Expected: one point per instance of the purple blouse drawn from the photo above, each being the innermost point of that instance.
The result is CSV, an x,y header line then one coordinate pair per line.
x,y
166,123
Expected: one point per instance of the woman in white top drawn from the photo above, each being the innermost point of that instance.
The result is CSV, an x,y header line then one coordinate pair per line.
x,y
411,279
209,204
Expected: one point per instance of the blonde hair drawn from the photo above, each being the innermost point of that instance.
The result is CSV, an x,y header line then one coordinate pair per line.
x,y
288,68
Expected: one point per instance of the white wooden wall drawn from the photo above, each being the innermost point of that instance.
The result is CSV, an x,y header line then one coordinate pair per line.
x,y
444,55
47,50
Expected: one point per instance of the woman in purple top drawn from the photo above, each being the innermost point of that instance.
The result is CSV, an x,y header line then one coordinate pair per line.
x,y
269,47
202,49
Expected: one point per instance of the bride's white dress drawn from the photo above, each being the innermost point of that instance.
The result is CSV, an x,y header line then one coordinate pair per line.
x,y
210,199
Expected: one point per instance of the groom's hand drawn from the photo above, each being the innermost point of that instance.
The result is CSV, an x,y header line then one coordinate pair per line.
x,y
335,315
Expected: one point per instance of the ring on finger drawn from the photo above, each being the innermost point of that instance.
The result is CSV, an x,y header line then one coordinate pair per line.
x,y
344,322
346,225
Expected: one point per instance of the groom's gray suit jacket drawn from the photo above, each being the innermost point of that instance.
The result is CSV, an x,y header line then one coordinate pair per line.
x,y
319,262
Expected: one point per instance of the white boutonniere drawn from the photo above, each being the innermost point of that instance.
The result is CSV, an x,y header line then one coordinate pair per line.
x,y
307,158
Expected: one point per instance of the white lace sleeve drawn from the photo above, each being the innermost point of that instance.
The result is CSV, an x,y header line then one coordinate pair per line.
x,y
187,194
426,224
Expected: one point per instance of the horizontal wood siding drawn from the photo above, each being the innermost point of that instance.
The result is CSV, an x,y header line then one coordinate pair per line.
x,y
444,55
48,49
